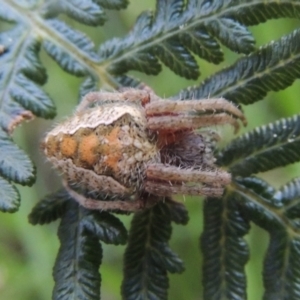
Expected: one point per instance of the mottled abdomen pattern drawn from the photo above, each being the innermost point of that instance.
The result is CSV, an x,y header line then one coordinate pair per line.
x,y
103,149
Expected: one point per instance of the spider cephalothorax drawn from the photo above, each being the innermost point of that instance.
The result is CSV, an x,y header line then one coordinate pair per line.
x,y
132,145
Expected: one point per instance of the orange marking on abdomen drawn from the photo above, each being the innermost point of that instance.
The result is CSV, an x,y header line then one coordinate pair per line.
x,y
87,149
68,146
51,146
113,150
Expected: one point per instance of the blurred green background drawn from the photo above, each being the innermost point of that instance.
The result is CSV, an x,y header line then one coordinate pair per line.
x,y
27,253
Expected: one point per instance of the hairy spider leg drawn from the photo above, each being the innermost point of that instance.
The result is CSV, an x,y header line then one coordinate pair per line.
x,y
139,96
177,174
167,180
204,105
166,189
185,121
127,206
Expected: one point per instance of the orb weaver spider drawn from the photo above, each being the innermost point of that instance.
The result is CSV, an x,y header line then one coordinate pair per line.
x,y
136,148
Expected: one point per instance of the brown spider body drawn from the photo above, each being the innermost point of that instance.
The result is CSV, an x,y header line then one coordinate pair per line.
x,y
105,148
131,144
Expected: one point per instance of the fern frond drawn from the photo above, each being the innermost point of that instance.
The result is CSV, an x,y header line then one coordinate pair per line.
x,y
14,163
76,272
88,85
178,212
202,44
49,209
21,97
251,153
225,252
271,68
232,34
106,227
21,77
148,256
176,30
289,193
128,81
15,166
7,13
254,12
9,197
86,11
113,4
61,52
272,212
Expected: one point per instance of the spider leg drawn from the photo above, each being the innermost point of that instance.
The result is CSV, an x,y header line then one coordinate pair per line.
x,y
217,105
177,174
165,188
181,122
89,203
128,94
168,180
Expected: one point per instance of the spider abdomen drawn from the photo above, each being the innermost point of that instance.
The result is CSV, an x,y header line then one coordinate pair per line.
x,y
108,156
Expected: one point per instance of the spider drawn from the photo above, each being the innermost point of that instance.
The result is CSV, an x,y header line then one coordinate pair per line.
x,y
131,148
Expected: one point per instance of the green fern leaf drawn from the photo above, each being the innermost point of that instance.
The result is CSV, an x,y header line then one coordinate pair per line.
x,y
76,268
92,84
62,52
7,13
202,44
9,197
106,227
127,81
254,12
148,256
282,261
289,192
176,29
14,163
180,60
225,252
21,96
259,187
178,212
20,77
271,68
251,152
175,56
89,85
289,195
232,34
113,4
143,62
281,268
170,51
30,64
255,198
49,209
31,97
87,11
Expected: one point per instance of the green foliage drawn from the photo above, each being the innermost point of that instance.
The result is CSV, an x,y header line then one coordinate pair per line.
x,y
249,153
276,212
274,65
178,34
147,262
76,272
